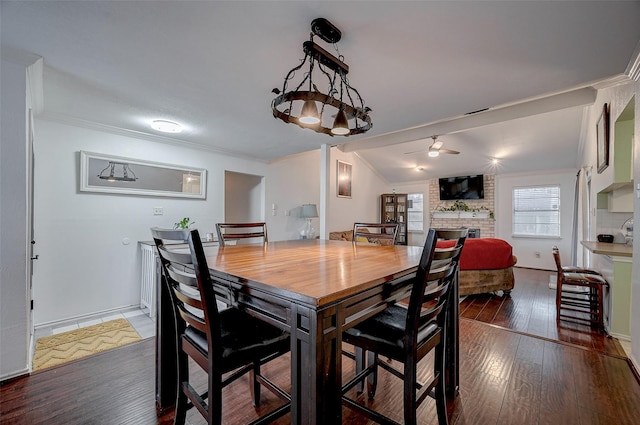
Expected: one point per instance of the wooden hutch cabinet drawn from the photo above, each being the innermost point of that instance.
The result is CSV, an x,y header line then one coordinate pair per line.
x,y
393,209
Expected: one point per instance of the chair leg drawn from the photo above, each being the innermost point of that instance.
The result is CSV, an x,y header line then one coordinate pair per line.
x,y
360,358
254,385
600,309
214,400
182,401
440,389
410,402
558,298
372,379
180,412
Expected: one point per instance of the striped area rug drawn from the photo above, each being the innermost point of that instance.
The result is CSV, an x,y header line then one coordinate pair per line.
x,y
60,348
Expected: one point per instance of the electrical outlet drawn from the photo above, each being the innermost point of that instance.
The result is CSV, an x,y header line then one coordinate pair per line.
x,y
158,211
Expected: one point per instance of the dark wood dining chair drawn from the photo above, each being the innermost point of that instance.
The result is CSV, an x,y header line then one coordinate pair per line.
x,y
239,231
225,344
579,294
376,233
407,333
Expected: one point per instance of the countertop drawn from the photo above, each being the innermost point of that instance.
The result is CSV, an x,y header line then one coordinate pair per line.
x,y
612,249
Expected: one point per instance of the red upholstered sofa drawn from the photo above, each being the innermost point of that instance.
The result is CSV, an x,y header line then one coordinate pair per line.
x,y
486,265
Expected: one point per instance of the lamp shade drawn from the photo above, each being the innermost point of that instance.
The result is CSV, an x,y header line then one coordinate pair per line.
x,y
309,211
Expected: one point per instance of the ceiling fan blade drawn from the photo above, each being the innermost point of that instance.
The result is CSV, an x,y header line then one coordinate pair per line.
x,y
436,145
449,151
421,150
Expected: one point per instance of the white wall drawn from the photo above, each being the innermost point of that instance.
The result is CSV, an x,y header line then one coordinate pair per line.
x,y
87,242
14,313
526,248
292,181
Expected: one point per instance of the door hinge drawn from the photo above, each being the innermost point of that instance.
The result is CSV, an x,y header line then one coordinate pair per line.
x,y
31,304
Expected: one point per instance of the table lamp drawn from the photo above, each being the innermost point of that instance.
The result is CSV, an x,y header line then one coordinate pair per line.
x,y
308,212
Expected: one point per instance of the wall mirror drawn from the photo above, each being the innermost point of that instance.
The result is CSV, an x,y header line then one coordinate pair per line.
x,y
115,174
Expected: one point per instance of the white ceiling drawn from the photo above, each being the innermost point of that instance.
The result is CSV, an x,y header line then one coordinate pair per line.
x,y
212,65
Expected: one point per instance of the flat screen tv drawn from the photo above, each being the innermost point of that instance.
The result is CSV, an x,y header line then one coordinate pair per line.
x,y
462,187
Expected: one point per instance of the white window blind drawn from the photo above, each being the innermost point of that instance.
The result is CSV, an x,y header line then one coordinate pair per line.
x,y
536,211
415,212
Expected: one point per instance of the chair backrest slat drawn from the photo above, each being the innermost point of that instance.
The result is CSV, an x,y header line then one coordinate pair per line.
x,y
236,231
375,233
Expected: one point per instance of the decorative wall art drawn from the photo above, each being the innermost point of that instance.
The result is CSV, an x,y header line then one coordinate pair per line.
x,y
343,177
115,174
602,135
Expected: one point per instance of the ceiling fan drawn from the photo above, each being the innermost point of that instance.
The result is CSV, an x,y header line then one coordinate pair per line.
x,y
436,149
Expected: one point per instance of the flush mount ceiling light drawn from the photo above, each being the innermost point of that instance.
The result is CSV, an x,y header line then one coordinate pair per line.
x,y
113,176
166,126
341,106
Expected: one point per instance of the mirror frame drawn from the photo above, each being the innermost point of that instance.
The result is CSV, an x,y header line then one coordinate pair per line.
x,y
125,187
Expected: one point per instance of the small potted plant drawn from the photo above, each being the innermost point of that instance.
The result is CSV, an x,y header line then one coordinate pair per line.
x,y
184,224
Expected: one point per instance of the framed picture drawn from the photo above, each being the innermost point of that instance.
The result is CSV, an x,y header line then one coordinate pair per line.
x,y
602,134
343,177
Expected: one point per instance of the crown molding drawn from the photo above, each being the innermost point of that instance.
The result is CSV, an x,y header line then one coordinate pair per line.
x,y
92,125
614,81
633,69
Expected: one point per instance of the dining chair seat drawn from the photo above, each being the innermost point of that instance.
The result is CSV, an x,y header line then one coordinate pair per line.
x,y
576,269
244,338
384,333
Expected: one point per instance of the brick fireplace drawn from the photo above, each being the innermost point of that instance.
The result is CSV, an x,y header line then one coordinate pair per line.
x,y
486,225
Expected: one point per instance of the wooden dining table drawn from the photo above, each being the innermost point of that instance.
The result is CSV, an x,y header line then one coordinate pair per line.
x,y
314,289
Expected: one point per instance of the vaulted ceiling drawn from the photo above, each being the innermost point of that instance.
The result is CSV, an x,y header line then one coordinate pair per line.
x,y
420,65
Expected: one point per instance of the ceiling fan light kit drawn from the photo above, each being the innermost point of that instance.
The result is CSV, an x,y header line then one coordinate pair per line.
x,y
342,105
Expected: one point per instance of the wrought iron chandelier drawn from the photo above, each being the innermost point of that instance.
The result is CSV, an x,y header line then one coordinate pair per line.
x,y
342,105
112,177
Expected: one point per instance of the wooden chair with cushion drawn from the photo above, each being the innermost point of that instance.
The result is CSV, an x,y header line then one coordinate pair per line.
x,y
225,344
579,295
407,333
376,233
240,231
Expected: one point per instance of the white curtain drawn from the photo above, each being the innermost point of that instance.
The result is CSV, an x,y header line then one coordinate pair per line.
x,y
581,218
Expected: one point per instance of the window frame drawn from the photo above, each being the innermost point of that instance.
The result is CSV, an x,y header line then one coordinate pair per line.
x,y
515,234
409,210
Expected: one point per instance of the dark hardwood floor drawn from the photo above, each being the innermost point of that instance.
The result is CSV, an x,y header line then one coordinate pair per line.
x,y
531,309
507,377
